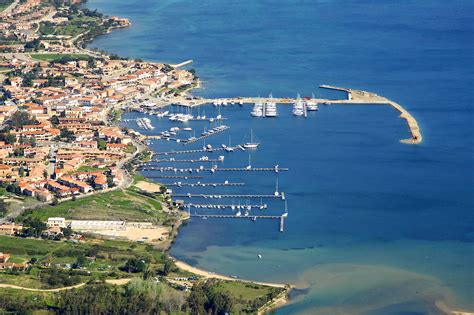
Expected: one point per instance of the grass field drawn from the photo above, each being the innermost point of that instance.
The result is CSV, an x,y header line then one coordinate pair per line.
x,y
246,293
4,4
106,256
56,57
125,205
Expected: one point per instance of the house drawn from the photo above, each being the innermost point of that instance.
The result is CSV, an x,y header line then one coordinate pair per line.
x,y
10,229
56,222
4,257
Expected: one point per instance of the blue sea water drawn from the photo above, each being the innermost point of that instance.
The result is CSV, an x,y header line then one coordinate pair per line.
x,y
374,226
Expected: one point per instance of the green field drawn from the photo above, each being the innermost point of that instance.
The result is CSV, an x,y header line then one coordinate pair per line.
x,y
56,57
104,257
4,4
125,205
247,295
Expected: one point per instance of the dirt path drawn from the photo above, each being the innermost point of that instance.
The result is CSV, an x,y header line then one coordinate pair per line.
x,y
113,281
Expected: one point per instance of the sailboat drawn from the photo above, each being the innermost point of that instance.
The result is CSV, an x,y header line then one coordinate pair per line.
x,y
229,148
276,193
249,167
252,144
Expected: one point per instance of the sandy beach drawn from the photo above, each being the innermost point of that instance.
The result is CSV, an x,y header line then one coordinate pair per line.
x,y
148,187
211,275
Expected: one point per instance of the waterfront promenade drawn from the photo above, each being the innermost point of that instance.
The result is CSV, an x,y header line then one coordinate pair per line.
x,y
354,97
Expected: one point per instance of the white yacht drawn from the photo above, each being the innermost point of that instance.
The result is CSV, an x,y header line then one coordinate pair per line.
x,y
298,107
271,108
257,109
311,105
252,144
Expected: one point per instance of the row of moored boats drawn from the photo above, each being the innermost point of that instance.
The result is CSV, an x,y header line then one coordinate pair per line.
x,y
269,107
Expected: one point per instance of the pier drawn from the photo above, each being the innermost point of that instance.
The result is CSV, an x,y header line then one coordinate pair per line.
x,y
251,217
218,131
354,97
182,64
225,206
184,161
233,216
216,169
198,184
206,196
176,177
190,151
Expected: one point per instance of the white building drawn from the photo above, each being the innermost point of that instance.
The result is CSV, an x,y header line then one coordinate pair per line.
x,y
93,225
56,222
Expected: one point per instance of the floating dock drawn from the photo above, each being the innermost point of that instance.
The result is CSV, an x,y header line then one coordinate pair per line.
x,y
203,184
216,196
177,177
251,217
191,151
224,128
184,161
216,169
225,206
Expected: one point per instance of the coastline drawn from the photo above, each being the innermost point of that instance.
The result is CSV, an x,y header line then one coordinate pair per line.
x,y
279,301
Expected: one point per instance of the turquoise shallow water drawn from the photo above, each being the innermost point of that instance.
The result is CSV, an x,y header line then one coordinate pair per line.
x,y
375,227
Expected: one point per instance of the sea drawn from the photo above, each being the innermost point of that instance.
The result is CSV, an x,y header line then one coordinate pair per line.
x,y
374,226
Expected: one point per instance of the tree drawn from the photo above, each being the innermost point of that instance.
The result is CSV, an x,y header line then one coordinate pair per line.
x,y
101,144
21,118
35,227
134,265
82,261
172,301
67,231
55,120
8,138
168,267
67,134
221,303
197,300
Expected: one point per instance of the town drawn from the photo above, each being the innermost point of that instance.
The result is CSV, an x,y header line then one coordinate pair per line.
x,y
73,210
59,102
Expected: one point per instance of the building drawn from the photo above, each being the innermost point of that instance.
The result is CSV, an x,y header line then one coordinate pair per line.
x,y
87,225
10,229
56,222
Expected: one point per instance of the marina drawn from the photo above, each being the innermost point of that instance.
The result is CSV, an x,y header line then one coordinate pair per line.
x,y
354,97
